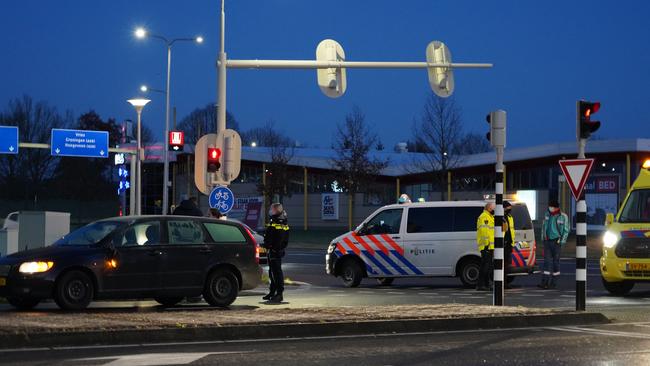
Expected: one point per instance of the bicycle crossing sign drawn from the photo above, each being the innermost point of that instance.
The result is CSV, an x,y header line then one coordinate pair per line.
x,y
222,199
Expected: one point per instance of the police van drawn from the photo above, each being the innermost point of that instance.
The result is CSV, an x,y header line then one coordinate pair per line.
x,y
625,258
424,239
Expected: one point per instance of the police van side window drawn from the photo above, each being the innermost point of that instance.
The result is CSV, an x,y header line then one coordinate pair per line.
x,y
430,220
465,218
385,222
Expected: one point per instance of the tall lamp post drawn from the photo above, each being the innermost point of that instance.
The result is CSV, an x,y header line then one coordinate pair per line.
x,y
142,33
139,104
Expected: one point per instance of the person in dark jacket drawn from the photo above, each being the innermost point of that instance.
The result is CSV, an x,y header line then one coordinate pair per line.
x,y
188,207
276,239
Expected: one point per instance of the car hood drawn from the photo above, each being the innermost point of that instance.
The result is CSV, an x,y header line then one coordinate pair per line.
x,y
340,237
50,252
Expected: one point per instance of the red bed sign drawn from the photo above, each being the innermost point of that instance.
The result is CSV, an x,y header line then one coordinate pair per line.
x,y
576,172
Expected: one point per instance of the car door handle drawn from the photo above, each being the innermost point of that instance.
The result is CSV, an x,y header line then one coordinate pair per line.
x,y
155,253
395,237
205,250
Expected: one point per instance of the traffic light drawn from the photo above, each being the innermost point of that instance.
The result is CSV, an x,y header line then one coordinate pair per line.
x,y
214,159
585,125
332,81
176,140
497,122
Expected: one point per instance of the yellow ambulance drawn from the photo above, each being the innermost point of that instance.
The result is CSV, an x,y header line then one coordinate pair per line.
x,y
626,243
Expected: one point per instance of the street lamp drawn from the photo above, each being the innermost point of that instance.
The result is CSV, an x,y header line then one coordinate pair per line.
x,y
253,144
138,104
142,33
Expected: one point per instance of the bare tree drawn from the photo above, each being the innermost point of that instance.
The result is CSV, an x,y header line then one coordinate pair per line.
x,y
353,142
473,143
439,134
281,149
25,172
202,121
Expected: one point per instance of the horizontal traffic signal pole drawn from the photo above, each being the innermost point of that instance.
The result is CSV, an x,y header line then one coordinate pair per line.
x,y
312,64
34,145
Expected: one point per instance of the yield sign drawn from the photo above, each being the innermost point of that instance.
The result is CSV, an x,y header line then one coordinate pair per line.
x,y
576,172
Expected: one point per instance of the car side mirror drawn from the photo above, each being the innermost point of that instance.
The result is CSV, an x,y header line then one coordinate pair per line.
x,y
609,219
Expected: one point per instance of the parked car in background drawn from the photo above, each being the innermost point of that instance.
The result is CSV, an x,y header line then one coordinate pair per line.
x,y
166,258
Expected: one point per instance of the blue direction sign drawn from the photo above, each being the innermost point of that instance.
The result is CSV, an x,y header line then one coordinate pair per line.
x,y
80,143
8,140
222,199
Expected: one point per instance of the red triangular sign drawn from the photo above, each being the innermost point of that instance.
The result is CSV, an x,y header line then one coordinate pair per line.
x,y
576,172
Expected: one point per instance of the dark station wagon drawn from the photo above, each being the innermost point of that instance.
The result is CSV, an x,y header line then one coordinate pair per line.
x,y
166,258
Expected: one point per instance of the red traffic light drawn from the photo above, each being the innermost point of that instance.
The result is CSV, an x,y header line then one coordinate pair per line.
x,y
585,125
591,108
214,155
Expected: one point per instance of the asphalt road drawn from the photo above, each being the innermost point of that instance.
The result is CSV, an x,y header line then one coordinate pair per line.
x,y
617,344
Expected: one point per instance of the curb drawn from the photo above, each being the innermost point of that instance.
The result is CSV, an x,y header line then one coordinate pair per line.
x,y
271,331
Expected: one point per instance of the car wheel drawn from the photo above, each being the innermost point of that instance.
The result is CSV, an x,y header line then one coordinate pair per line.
x,y
221,288
74,291
168,301
618,288
469,271
23,303
351,273
385,281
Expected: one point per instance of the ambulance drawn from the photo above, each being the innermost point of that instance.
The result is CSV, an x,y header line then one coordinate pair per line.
x,y
424,239
625,258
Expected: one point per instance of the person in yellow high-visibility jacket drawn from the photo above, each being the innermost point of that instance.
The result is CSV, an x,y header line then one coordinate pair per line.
x,y
508,238
485,242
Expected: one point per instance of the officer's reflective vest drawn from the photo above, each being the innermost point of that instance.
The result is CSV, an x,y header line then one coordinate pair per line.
x,y
485,231
278,226
509,222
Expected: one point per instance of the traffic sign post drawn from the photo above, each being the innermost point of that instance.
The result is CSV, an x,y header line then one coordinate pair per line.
x,y
8,140
222,199
79,143
576,172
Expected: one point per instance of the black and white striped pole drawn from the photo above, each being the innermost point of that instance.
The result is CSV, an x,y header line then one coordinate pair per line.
x,y
497,137
581,253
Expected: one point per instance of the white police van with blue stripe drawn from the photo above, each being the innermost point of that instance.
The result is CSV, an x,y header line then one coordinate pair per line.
x,y
428,239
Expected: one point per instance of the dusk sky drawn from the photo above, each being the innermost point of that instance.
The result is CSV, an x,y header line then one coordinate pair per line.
x,y
81,55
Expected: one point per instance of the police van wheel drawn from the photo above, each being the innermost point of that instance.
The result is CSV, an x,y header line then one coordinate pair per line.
x,y
618,288
385,281
351,273
469,271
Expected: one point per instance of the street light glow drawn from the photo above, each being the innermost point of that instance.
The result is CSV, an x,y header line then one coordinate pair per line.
x,y
139,102
253,144
140,33
144,88
199,39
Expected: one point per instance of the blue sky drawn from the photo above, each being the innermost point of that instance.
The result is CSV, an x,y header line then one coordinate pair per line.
x,y
81,55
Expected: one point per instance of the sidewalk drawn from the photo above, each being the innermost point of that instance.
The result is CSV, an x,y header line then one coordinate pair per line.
x,y
124,326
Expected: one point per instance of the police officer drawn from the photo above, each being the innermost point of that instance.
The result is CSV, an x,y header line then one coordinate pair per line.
x,y
276,239
508,237
485,242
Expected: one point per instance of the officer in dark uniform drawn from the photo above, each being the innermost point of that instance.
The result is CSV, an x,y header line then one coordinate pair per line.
x,y
276,239
508,238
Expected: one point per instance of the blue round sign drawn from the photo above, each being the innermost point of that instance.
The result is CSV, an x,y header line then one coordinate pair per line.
x,y
222,199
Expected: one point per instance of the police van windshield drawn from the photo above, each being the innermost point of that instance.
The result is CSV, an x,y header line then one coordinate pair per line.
x,y
637,207
521,217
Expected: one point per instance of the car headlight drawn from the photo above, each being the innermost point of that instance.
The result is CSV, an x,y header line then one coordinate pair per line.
x,y
330,249
610,239
35,267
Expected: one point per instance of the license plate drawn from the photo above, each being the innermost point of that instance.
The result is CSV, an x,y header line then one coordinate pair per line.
x,y
639,266
3,281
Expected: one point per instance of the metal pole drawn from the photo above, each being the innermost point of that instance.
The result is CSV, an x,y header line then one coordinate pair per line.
x,y
498,231
306,199
628,174
132,189
165,198
138,196
449,185
311,64
581,242
221,70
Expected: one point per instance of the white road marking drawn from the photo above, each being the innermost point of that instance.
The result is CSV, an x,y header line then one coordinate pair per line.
x,y
606,333
155,359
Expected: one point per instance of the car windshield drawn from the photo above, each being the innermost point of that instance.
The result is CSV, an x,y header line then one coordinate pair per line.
x,y
637,207
90,234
